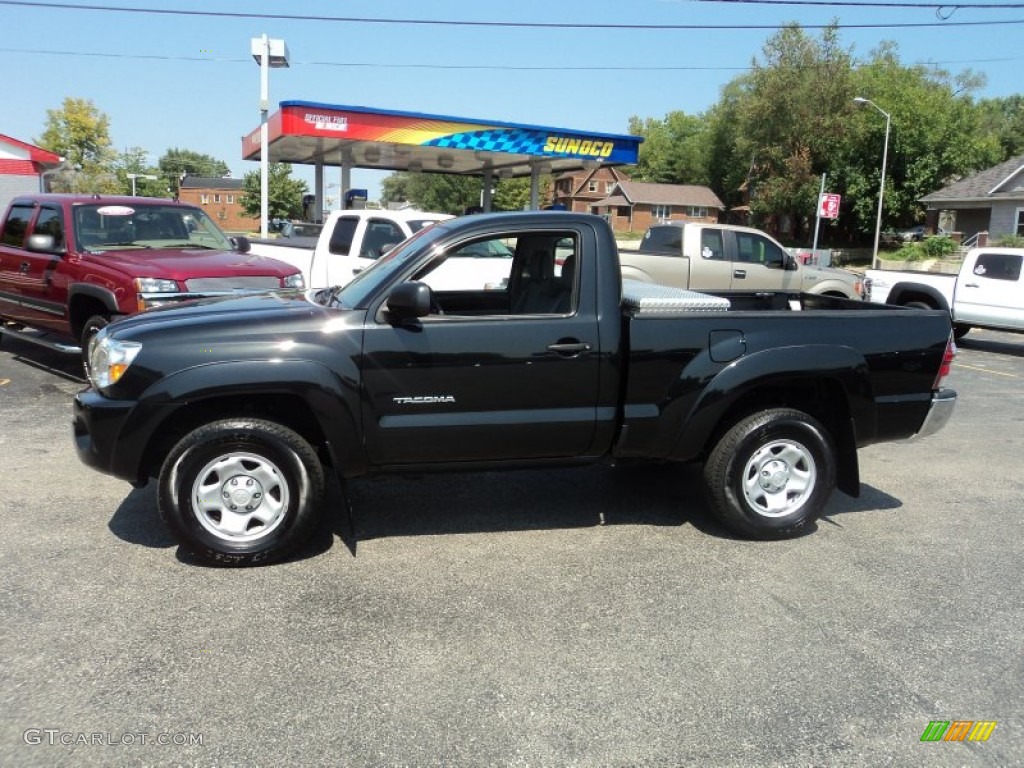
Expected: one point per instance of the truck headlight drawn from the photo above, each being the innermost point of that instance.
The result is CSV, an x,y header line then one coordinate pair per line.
x,y
294,281
155,285
109,358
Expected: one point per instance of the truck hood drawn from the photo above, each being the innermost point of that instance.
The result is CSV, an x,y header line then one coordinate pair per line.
x,y
185,263
204,318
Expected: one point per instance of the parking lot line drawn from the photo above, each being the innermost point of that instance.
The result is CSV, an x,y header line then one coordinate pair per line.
x,y
986,370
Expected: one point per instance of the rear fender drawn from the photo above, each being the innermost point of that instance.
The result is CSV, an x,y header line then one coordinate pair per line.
x,y
903,293
775,371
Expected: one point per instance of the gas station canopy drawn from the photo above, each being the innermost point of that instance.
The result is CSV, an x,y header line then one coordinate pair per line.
x,y
315,134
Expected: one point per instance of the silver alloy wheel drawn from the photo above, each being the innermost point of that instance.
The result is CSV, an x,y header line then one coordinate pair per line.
x,y
779,478
240,497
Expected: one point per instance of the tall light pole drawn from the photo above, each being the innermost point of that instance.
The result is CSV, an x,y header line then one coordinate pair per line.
x,y
861,101
134,176
268,53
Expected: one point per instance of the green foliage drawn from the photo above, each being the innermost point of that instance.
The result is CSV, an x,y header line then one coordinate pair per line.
x,y
284,194
935,247
1010,241
675,149
1003,118
441,193
134,160
175,163
80,133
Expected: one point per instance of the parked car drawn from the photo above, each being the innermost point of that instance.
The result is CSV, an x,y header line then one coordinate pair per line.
x,y
988,292
69,264
725,257
773,392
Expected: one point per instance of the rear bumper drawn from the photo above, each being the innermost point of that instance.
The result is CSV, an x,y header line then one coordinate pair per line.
x,y
939,411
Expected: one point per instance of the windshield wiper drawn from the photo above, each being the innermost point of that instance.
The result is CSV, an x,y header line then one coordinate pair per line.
x,y
130,242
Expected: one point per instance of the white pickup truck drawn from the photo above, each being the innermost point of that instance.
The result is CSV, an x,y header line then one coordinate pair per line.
x,y
349,242
724,257
988,292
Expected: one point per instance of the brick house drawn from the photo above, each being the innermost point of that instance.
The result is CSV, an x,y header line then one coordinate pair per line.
x,y
21,168
579,190
633,206
221,199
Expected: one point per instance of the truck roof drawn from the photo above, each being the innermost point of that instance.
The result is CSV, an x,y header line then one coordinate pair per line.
x,y
80,199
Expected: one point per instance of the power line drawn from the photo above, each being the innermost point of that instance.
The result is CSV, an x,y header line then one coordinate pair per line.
x,y
873,4
393,65
506,24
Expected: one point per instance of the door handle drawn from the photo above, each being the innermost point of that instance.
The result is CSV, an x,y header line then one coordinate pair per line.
x,y
569,348
971,285
739,273
24,268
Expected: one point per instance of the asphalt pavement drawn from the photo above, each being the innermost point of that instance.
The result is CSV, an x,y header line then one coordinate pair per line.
x,y
492,619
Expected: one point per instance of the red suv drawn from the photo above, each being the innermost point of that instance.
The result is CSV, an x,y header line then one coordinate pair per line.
x,y
69,264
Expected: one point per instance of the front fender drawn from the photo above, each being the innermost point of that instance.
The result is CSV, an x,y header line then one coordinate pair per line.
x,y
772,369
331,395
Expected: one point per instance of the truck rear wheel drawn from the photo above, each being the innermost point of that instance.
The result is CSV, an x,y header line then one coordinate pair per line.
x,y
771,475
241,492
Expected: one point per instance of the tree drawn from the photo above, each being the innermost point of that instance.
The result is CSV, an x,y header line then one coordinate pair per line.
x,y
1004,119
176,163
439,192
675,149
284,194
134,160
80,133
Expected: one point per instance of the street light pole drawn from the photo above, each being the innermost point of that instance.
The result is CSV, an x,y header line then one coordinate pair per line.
x,y
268,53
881,184
134,176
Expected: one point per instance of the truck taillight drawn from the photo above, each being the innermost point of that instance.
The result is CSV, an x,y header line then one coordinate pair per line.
x,y
947,362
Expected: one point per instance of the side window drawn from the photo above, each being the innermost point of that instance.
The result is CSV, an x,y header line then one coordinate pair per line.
x,y
479,265
666,239
341,237
50,222
755,249
16,226
711,246
380,235
998,266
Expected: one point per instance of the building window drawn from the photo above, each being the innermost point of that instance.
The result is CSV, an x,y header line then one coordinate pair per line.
x,y
1020,222
231,199
216,198
204,199
661,211
623,211
696,211
609,186
591,186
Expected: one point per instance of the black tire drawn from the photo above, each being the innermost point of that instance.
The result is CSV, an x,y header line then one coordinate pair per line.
x,y
771,475
918,305
90,328
260,465
960,330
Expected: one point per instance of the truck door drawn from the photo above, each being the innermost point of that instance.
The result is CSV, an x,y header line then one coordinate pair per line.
x,y
710,266
990,291
485,384
26,276
759,264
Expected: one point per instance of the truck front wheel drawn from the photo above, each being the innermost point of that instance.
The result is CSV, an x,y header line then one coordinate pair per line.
x,y
771,475
241,491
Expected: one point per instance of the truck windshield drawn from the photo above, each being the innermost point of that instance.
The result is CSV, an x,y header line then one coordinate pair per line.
x,y
366,283
106,226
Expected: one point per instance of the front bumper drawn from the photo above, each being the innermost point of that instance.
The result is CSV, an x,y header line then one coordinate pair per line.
x,y
939,411
103,440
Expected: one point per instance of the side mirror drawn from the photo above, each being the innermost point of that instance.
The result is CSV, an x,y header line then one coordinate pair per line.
x,y
241,244
409,300
42,243
791,263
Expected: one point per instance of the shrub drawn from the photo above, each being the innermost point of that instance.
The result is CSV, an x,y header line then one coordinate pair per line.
x,y
1010,241
935,247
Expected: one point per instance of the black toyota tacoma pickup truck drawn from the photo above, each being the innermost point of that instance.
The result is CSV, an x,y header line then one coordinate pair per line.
x,y
240,406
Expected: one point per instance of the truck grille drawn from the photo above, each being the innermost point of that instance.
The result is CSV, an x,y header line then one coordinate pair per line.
x,y
218,284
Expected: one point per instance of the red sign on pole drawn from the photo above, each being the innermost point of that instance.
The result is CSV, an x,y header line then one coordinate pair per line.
x,y
828,206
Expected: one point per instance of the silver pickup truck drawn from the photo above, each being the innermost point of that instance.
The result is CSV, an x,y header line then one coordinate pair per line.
x,y
724,257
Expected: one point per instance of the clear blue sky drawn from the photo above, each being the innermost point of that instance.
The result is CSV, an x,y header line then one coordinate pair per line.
x,y
190,82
